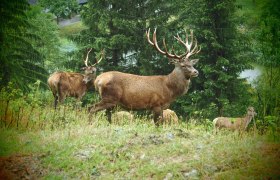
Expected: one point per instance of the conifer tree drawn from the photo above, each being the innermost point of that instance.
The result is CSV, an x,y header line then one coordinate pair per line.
x,y
20,61
119,28
218,87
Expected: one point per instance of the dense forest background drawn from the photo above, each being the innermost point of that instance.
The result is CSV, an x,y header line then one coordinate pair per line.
x,y
39,37
234,36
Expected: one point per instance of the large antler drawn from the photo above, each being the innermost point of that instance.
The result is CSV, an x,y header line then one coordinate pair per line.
x,y
174,56
98,61
86,60
155,44
188,45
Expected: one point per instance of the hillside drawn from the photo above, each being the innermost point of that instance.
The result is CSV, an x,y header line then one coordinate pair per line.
x,y
64,146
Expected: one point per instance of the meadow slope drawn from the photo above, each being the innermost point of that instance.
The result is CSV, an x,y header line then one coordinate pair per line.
x,y
65,148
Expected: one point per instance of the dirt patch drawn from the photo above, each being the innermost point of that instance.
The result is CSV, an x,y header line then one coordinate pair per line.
x,y
21,167
271,164
271,149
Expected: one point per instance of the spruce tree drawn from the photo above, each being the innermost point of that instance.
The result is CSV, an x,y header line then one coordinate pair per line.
x,y
21,63
119,28
218,89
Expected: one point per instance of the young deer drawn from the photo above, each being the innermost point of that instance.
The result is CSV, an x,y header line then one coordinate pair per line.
x,y
136,92
65,84
233,124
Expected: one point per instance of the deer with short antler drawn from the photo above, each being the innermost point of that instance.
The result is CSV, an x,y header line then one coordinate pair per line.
x,y
135,92
70,84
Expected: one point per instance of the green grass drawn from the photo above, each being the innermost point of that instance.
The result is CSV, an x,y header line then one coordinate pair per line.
x,y
72,149
72,29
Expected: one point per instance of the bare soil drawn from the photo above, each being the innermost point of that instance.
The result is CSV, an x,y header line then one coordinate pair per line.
x,y
21,167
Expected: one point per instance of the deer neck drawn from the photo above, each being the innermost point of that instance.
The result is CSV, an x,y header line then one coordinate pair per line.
x,y
247,120
178,83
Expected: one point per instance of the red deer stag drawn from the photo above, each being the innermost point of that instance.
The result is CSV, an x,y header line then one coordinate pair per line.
x,y
70,84
155,93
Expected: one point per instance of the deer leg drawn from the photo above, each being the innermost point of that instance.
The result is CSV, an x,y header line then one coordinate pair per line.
x,y
157,115
78,104
60,101
55,101
100,106
109,115
61,98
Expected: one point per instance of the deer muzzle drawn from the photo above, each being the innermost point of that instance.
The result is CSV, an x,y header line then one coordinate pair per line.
x,y
195,73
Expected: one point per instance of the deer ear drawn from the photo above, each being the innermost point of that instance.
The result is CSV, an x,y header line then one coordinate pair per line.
x,y
194,61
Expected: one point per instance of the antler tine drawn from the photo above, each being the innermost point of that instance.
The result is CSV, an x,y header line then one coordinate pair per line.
x,y
180,40
172,54
148,37
188,45
98,61
164,44
166,51
156,44
195,50
178,57
86,60
187,41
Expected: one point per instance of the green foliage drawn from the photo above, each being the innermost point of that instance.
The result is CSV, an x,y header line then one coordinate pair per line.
x,y
35,97
222,59
269,33
35,108
230,38
269,125
61,8
119,27
268,91
43,26
268,46
21,62
72,29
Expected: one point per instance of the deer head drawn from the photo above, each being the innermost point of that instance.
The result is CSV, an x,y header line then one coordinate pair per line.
x,y
181,61
90,70
251,112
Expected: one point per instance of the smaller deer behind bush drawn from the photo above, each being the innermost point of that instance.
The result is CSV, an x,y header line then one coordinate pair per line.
x,y
170,117
234,124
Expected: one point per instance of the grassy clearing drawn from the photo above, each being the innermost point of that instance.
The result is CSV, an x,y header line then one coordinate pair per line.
x,y
70,30
70,148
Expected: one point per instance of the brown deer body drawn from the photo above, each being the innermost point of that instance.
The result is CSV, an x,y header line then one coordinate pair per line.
x,y
69,84
136,92
233,124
